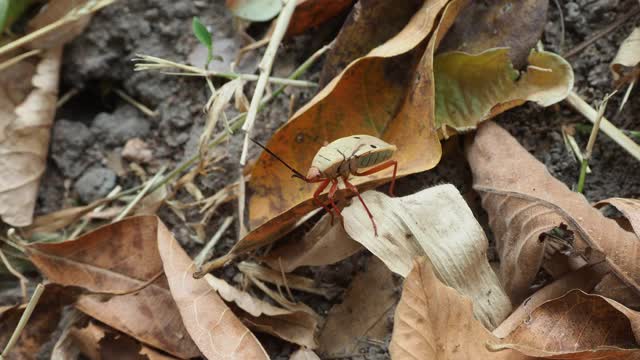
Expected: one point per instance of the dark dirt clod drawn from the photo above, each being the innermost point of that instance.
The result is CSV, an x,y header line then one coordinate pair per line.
x,y
68,144
123,124
95,184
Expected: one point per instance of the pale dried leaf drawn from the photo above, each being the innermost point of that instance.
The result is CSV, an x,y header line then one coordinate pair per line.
x,y
367,303
115,258
25,120
214,328
51,12
628,55
433,321
297,327
324,244
523,208
304,354
437,223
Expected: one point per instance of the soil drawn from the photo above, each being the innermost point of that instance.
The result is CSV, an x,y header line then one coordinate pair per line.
x,y
93,127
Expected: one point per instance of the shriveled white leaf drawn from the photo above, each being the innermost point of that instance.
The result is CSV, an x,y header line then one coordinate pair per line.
x,y
628,55
297,327
436,223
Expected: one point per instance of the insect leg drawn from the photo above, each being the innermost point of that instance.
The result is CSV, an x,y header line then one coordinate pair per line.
x,y
316,196
355,190
332,193
382,167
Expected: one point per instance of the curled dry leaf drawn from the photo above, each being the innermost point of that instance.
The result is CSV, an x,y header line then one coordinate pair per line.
x,y
324,244
627,60
524,209
254,10
297,327
436,223
433,321
473,88
120,257
364,313
218,333
311,13
517,25
378,95
28,94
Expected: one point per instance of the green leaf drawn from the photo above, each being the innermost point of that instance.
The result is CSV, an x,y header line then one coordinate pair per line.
x,y
204,36
255,10
11,10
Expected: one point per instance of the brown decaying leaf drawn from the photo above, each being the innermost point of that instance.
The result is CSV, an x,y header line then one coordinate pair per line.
x,y
27,108
433,321
51,12
517,25
297,327
523,208
324,244
311,13
353,103
579,326
304,354
114,258
436,223
41,325
356,37
218,333
628,57
364,313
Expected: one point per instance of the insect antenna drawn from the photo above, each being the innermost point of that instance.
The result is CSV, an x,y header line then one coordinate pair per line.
x,y
296,173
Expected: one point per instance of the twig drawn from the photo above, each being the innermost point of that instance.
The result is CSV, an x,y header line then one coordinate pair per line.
x,y
608,128
23,320
265,70
625,98
572,146
576,50
18,58
23,280
66,97
140,195
73,15
592,140
143,108
78,230
205,253
562,30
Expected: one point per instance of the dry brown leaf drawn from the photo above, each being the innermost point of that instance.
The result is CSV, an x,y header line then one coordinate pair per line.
x,y
578,326
311,13
115,258
433,321
523,208
304,354
517,25
41,325
366,307
57,220
27,106
51,12
324,244
436,223
297,327
353,103
356,37
627,60
214,328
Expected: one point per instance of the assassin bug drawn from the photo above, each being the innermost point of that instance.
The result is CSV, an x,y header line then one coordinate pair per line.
x,y
342,158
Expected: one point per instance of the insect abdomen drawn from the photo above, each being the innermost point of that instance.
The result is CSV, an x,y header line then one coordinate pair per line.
x,y
374,158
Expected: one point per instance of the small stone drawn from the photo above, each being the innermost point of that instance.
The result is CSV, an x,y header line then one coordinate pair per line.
x,y
96,183
137,150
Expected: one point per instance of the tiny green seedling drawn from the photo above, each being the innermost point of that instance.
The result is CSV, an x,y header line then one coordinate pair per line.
x,y
204,36
342,158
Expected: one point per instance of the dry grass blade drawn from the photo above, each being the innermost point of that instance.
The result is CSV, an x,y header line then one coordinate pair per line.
x,y
524,212
281,279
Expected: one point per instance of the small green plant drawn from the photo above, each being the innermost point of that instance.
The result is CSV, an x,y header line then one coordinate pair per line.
x,y
10,11
204,36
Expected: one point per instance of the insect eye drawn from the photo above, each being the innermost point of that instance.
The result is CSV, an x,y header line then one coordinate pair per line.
x,y
373,146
